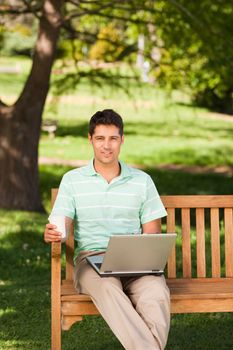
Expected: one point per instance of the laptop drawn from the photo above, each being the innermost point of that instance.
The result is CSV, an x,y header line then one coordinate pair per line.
x,y
134,255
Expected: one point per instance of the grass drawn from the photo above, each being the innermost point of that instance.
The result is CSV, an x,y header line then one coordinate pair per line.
x,y
158,130
190,141
25,280
178,132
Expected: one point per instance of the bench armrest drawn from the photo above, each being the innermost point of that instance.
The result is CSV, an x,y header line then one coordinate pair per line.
x,y
55,267
56,251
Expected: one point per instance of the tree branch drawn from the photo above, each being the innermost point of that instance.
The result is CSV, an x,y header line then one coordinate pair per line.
x,y
19,10
113,17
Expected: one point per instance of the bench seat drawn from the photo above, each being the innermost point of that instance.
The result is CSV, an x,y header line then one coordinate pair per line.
x,y
187,296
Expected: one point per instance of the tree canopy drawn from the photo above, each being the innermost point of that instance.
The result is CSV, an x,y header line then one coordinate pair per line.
x,y
188,45
197,50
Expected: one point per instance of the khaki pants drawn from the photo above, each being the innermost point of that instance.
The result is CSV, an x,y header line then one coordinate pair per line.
x,y
136,309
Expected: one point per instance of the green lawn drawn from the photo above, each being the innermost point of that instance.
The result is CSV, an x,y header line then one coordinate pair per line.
x,y
190,139
177,132
164,131
158,130
25,280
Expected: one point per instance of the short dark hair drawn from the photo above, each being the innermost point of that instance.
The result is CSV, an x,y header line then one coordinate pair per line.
x,y
106,117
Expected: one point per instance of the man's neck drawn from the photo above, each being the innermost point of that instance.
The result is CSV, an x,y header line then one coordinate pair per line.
x,y
108,171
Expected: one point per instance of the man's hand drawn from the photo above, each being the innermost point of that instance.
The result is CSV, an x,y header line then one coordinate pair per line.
x,y
50,234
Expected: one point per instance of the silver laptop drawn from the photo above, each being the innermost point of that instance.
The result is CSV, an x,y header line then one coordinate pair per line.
x,y
134,255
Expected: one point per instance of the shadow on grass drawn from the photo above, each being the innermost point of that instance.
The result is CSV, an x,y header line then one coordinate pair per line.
x,y
24,289
25,292
178,182
50,177
80,130
160,128
25,279
201,331
167,181
25,306
187,129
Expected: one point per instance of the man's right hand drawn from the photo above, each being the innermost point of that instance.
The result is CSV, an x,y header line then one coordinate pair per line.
x,y
50,234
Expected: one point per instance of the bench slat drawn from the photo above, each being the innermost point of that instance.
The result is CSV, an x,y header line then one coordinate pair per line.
x,y
200,231
70,253
171,264
198,201
159,224
228,220
186,246
215,242
198,288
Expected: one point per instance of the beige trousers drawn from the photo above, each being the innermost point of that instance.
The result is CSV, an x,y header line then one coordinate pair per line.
x,y
136,309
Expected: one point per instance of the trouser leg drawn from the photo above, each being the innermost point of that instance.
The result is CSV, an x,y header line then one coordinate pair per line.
x,y
116,308
151,299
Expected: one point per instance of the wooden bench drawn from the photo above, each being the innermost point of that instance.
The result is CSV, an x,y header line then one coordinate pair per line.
x,y
199,270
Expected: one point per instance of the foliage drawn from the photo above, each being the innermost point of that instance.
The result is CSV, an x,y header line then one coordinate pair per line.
x,y
108,45
69,50
82,21
2,32
196,50
189,43
17,39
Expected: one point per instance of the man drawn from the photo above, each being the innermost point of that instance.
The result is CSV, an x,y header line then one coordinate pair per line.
x,y
104,198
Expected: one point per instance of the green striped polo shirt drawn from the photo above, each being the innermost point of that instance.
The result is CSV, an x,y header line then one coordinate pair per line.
x,y
101,209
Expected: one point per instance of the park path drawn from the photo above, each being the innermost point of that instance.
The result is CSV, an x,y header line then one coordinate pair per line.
x,y
192,169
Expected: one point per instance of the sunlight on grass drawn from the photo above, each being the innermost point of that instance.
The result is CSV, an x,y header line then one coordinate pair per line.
x,y
164,133
25,285
166,129
159,130
6,311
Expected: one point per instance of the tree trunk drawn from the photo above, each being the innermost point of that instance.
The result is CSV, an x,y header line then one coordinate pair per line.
x,y
20,124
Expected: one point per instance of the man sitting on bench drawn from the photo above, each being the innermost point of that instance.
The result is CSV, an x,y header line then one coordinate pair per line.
x,y
104,198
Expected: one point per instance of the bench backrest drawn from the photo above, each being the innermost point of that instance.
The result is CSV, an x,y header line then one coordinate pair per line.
x,y
204,247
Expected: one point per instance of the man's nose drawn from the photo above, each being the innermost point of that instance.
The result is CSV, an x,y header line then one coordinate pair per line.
x,y
106,144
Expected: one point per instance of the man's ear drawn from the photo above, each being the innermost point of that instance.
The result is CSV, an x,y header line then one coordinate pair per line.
x,y
122,139
89,138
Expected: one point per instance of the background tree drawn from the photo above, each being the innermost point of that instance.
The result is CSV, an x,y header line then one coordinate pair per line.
x,y
196,50
21,122
189,45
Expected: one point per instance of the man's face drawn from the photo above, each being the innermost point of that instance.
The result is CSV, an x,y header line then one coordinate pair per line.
x,y
106,142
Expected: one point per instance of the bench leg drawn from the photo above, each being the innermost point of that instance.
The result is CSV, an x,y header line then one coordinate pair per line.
x,y
56,329
56,297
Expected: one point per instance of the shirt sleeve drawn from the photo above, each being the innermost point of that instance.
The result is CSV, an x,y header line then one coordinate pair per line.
x,y
65,202
152,207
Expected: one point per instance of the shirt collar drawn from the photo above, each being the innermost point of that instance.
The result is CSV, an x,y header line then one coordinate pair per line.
x,y
125,170
90,170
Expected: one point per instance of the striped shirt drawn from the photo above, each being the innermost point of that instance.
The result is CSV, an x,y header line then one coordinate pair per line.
x,y
101,209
